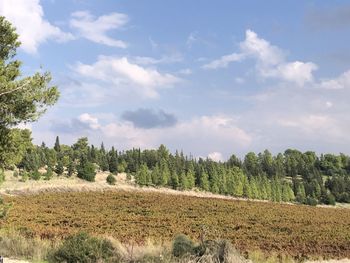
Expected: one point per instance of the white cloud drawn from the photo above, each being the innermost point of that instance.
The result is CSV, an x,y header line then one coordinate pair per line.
x,y
175,58
216,156
91,121
342,82
95,29
224,61
261,49
28,17
270,61
297,72
120,72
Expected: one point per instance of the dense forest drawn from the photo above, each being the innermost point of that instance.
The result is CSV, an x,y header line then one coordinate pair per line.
x,y
289,176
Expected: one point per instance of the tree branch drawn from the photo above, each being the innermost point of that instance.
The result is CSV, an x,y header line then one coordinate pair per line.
x,y
13,90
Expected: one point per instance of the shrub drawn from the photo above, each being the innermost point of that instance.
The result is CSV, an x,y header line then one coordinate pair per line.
x,y
35,175
83,248
86,171
48,175
182,245
2,175
15,173
111,179
311,201
24,176
59,169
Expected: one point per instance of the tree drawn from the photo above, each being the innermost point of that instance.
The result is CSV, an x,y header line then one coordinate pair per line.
x,y
21,99
59,169
113,161
142,175
103,160
86,170
57,146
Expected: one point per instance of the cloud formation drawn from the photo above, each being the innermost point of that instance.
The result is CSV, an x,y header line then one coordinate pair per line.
x,y
148,119
270,61
121,73
96,29
33,29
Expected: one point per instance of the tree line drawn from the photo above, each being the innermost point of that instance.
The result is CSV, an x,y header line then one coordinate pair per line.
x,y
289,176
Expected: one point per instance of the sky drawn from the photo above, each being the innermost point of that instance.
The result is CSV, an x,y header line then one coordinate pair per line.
x,y
210,78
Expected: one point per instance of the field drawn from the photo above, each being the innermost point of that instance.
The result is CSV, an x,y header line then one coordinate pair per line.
x,y
135,216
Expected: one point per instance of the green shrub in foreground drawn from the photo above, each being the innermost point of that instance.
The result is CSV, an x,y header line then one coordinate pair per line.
x,y
182,245
111,179
83,248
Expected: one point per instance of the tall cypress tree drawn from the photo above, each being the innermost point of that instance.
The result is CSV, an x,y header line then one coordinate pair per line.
x,y
57,146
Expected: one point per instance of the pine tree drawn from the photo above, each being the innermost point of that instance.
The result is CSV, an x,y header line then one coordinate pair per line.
x,y
183,184
164,173
142,175
191,177
113,161
57,146
204,180
103,160
155,175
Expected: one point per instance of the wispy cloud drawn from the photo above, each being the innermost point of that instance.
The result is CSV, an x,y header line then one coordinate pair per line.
x,y
95,29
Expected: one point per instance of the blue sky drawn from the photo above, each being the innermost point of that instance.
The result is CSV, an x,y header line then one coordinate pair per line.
x,y
208,77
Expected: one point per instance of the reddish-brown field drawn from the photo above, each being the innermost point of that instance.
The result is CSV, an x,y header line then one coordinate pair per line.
x,y
136,216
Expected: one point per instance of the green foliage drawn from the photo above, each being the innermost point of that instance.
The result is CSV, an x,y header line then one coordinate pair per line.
x,y
48,175
35,175
86,170
311,201
182,245
84,249
59,169
21,99
111,179
2,176
4,208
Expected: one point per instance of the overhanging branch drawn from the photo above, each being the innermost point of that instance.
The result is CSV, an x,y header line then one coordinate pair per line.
x,y
13,90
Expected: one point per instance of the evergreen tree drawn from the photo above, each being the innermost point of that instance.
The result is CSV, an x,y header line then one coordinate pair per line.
x,y
113,161
86,169
142,175
57,146
204,180
103,160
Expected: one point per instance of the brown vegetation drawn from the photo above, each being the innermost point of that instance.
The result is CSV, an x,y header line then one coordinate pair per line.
x,y
299,231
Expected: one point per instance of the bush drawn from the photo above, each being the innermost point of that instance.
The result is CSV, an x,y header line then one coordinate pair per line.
x,y
48,175
15,173
83,248
2,175
111,179
182,245
311,201
35,175
86,171
24,176
59,169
